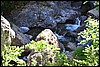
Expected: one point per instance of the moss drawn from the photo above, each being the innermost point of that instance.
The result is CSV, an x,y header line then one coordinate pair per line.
x,y
79,54
11,24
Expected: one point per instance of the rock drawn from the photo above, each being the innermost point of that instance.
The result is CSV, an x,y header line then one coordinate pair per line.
x,y
34,56
60,29
69,55
86,7
49,36
29,58
28,36
70,46
48,23
70,21
82,19
20,38
61,46
94,13
6,32
34,31
71,34
41,57
43,14
76,4
24,29
70,14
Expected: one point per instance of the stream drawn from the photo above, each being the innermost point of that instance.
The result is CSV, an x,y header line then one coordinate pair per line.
x,y
65,32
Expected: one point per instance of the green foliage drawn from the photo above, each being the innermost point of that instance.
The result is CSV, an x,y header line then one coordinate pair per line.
x,y
97,8
91,52
61,59
79,54
11,53
92,30
41,45
44,50
97,5
85,2
90,55
11,24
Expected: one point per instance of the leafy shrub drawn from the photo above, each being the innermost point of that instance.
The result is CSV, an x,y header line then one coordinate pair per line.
x,y
90,55
91,52
11,53
44,50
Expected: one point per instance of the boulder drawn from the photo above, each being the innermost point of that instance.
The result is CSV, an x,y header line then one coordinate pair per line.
x,y
60,29
70,46
6,32
28,36
86,7
20,38
48,36
43,14
76,4
82,19
71,34
34,31
62,46
94,13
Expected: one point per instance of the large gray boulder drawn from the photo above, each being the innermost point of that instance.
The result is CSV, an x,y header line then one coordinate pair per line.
x,y
6,32
50,37
20,38
44,14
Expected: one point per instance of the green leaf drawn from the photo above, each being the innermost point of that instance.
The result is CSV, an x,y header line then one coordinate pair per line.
x,y
93,35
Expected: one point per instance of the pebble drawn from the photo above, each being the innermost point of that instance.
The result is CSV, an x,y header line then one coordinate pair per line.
x,y
24,29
